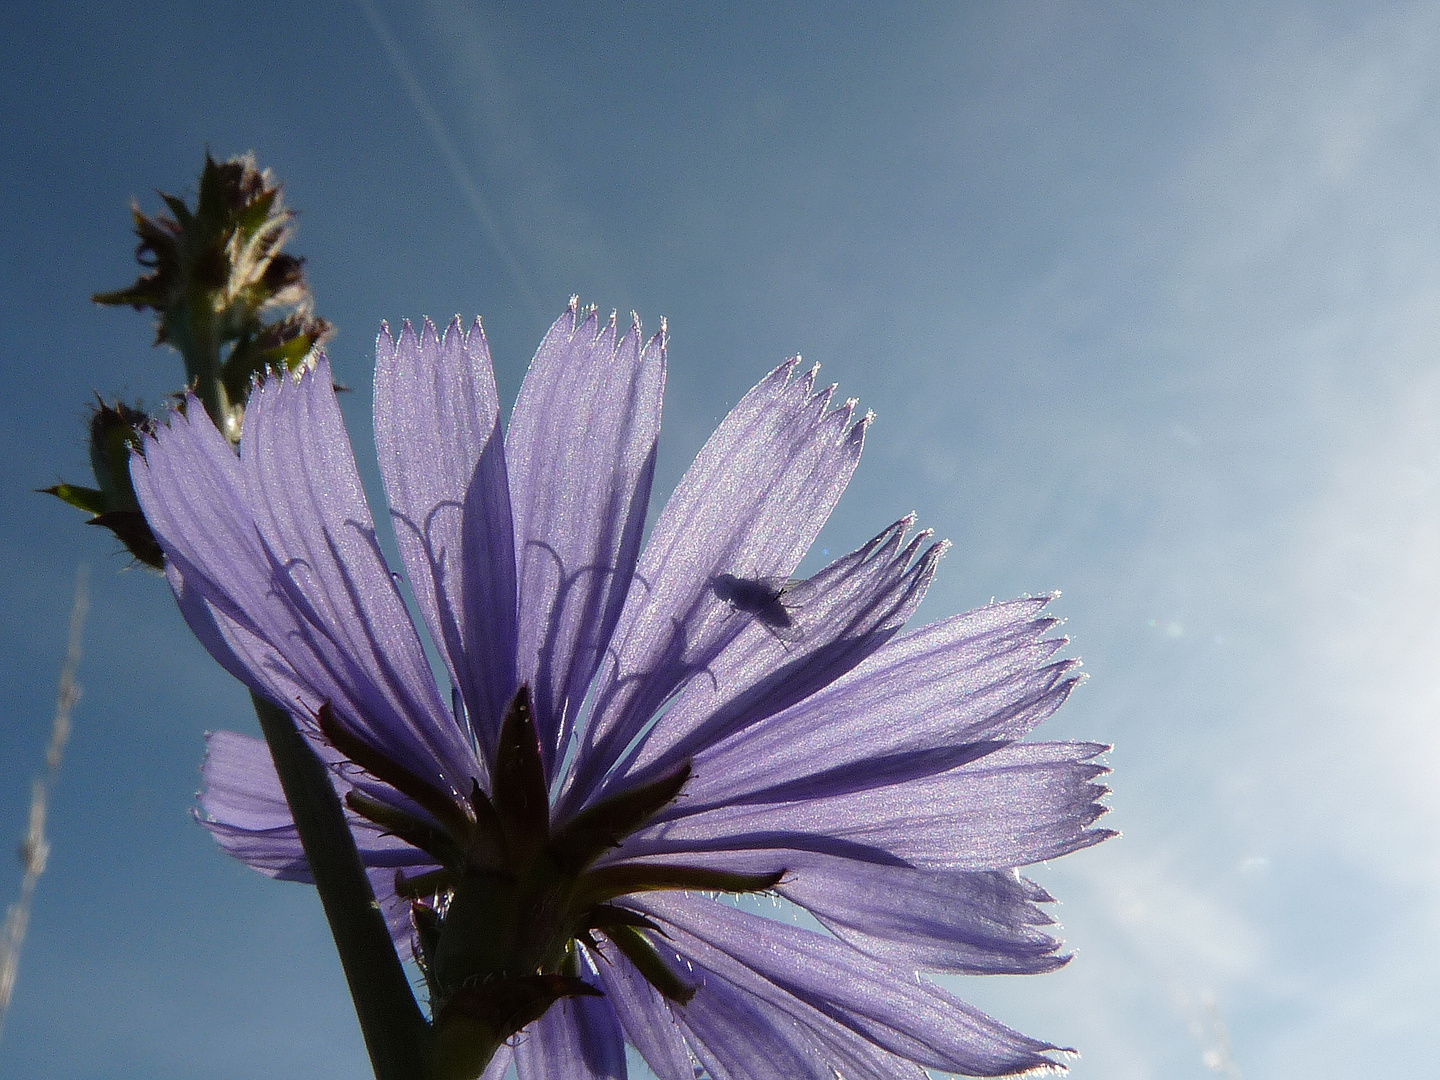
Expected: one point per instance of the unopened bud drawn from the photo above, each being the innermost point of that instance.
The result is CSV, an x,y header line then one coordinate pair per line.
x,y
114,431
224,293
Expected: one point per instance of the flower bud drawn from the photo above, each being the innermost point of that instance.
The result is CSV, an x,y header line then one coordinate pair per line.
x,y
114,431
224,293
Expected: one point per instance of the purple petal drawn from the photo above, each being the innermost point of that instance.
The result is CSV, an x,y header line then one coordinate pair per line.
x,y
745,1034
644,1016
581,454
310,510
241,787
1013,805
860,601
855,1056
737,1036
578,1038
499,1063
251,659
980,922
885,1004
983,675
437,434
966,923
750,505
191,488
244,809
234,645
197,498
200,527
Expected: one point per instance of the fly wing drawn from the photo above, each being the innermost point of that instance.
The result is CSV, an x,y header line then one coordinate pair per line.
x,y
779,624
771,584
796,593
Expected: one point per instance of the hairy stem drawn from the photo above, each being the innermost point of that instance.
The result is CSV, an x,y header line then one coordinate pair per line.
x,y
198,345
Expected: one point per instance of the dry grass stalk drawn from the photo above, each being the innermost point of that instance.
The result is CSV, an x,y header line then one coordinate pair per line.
x,y
35,848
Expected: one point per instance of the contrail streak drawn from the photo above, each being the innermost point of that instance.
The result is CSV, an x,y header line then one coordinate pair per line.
x,y
458,170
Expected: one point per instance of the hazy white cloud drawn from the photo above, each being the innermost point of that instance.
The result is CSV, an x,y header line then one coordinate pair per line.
x,y
1282,847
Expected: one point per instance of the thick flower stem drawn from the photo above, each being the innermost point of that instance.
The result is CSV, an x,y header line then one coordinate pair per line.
x,y
396,1032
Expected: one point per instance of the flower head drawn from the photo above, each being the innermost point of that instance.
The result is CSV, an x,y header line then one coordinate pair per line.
x,y
632,731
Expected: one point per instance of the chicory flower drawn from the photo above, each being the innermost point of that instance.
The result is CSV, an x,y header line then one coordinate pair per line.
x,y
634,733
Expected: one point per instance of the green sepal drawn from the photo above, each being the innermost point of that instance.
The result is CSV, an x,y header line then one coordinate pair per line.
x,y
132,530
177,206
291,352
211,205
435,842
282,346
90,500
481,930
590,833
518,790
608,882
604,916
139,296
648,962
246,363
115,432
253,216
129,526
488,843
570,961
441,806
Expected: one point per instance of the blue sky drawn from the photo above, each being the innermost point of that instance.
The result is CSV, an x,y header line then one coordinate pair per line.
x,y
1146,299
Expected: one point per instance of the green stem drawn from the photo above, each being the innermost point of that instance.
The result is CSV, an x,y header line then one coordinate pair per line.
x,y
194,334
396,1033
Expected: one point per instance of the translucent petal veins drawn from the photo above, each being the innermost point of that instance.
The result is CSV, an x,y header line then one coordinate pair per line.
x,y
579,1038
441,451
754,499
630,729
644,1016
794,969
862,600
307,506
581,456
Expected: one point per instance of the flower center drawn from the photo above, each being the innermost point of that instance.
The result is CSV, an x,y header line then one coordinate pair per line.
x,y
498,924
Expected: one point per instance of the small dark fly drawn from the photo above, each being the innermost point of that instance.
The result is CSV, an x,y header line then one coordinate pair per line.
x,y
772,601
